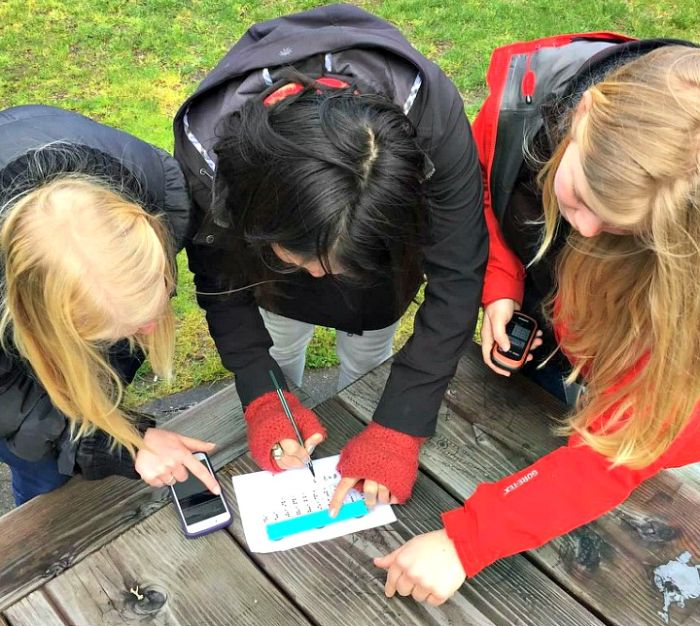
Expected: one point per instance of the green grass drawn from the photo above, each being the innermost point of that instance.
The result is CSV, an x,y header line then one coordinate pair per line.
x,y
130,64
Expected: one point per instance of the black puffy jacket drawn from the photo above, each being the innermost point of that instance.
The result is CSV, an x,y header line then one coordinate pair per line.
x,y
58,142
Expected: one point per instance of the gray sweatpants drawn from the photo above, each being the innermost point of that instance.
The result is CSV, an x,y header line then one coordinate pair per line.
x,y
358,354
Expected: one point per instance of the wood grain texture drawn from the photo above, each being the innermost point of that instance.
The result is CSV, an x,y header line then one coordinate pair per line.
x,y
690,474
499,426
337,583
152,574
35,610
51,533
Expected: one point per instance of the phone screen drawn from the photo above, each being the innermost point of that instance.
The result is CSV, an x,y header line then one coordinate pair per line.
x,y
518,339
518,331
196,501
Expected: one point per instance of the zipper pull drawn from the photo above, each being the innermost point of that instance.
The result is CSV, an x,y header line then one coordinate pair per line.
x,y
527,85
204,172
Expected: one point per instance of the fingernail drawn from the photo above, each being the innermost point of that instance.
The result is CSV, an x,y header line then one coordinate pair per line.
x,y
311,449
333,512
217,490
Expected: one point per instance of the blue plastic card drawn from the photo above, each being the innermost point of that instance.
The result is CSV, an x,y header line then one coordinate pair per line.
x,y
285,528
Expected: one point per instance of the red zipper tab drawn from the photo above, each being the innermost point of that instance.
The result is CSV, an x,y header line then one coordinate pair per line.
x,y
527,85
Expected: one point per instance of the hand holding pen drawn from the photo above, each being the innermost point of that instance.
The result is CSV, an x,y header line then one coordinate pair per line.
x,y
291,453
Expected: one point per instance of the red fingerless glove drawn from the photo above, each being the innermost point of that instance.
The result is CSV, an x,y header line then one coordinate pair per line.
x,y
385,456
268,424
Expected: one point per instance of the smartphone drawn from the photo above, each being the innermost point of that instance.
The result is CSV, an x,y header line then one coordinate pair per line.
x,y
199,510
521,331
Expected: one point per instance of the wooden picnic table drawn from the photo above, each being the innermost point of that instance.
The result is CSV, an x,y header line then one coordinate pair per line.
x,y
111,552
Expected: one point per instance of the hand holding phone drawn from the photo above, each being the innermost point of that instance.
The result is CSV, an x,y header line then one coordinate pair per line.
x,y
200,511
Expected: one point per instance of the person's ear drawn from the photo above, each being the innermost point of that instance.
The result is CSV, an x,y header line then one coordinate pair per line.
x,y
585,103
582,108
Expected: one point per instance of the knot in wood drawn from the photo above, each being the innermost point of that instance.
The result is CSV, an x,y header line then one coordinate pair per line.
x,y
583,549
650,529
148,600
59,566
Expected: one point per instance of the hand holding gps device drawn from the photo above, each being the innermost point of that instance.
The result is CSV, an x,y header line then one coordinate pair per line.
x,y
521,331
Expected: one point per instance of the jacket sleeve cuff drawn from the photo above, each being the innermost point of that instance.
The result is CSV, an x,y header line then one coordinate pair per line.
x,y
253,381
412,398
460,528
94,457
497,290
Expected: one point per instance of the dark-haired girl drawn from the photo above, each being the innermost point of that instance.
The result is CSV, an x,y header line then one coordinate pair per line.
x,y
334,171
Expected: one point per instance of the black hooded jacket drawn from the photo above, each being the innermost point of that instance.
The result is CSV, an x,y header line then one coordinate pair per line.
x,y
346,42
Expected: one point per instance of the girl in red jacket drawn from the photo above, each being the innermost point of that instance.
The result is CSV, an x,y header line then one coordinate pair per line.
x,y
625,178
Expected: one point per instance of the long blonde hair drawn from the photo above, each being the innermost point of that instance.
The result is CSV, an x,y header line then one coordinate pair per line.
x,y
631,303
83,267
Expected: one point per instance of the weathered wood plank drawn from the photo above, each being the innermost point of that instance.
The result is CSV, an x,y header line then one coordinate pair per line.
x,y
52,532
500,428
153,574
336,582
34,610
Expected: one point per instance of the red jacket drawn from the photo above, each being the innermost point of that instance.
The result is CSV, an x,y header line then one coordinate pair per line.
x,y
520,77
516,513
505,274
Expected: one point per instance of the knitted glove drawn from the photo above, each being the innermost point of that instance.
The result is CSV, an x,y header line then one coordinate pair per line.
x,y
267,425
385,456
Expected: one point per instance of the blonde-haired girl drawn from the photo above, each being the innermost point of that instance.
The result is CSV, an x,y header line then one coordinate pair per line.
x,y
91,219
625,260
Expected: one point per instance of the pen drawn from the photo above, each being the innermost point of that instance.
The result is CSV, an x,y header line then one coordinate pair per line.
x,y
288,413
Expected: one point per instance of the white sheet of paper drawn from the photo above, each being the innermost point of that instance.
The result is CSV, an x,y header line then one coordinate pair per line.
x,y
265,498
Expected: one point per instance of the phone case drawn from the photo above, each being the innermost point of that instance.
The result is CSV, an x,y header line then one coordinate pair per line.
x,y
496,358
203,532
206,531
